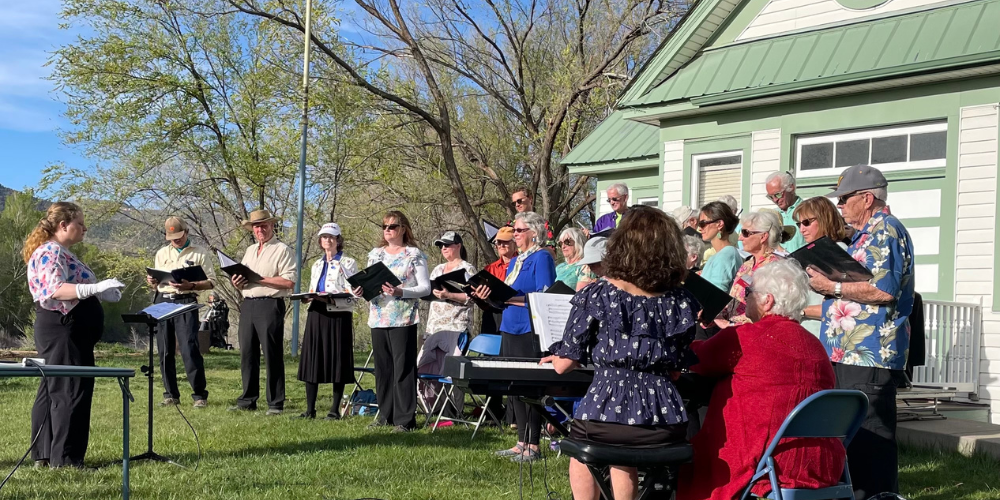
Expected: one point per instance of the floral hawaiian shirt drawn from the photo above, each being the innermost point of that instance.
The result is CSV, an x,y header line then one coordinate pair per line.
x,y
51,265
875,335
386,311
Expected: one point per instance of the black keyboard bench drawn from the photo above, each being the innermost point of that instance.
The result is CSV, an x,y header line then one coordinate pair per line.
x,y
659,464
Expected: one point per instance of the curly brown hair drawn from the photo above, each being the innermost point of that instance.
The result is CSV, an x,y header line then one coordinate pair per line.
x,y
647,250
397,217
60,211
831,224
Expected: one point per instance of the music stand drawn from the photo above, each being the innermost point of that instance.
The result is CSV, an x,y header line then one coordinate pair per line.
x,y
150,322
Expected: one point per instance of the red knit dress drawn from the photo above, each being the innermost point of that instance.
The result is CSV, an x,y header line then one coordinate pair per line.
x,y
766,369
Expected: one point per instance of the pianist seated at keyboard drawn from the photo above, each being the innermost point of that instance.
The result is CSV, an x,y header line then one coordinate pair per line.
x,y
636,328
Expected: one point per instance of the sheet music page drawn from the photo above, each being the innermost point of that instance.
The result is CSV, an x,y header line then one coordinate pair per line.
x,y
549,315
225,260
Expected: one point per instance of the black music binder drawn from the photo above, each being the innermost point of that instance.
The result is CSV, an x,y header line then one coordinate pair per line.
x,y
712,300
233,268
560,288
191,274
831,260
319,295
454,282
371,279
500,293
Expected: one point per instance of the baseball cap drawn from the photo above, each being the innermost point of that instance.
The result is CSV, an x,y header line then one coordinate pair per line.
x,y
448,238
174,227
330,228
505,233
859,178
594,250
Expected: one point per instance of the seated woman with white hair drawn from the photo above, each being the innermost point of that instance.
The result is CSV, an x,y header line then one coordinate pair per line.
x,y
764,369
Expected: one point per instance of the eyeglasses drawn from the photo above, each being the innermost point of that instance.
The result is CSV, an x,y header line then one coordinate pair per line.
x,y
615,199
805,222
520,230
776,196
390,227
500,243
703,223
521,201
746,233
566,243
842,200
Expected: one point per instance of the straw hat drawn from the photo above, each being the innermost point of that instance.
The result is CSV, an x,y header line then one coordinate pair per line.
x,y
258,216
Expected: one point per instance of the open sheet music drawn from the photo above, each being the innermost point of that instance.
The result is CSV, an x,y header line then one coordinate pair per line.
x,y
549,315
167,310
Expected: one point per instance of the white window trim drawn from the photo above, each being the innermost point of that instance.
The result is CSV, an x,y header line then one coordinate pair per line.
x,y
654,199
869,134
696,168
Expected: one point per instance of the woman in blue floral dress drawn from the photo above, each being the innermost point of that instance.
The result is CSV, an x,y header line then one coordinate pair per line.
x,y
645,323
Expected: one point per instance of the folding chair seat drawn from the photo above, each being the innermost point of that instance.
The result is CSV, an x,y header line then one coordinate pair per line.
x,y
426,378
827,414
658,464
484,344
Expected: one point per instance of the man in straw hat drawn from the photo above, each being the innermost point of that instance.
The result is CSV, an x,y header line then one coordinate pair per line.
x,y
262,317
183,329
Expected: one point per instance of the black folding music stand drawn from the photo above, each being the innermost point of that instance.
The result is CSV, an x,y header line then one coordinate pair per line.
x,y
150,322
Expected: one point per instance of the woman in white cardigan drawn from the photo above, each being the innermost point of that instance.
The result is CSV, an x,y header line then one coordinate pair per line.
x,y
328,342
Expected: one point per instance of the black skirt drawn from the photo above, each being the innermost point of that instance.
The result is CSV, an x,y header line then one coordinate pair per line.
x,y
327,347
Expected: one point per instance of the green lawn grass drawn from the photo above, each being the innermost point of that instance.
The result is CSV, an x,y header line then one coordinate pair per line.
x,y
248,455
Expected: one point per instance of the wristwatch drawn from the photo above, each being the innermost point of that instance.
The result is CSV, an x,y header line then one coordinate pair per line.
x,y
837,290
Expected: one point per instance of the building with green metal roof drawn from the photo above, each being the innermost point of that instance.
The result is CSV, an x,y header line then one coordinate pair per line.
x,y
741,89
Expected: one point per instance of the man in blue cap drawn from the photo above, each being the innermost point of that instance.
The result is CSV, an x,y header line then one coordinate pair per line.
x,y
865,325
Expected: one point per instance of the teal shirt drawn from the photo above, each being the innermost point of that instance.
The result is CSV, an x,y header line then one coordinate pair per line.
x,y
721,268
797,240
570,274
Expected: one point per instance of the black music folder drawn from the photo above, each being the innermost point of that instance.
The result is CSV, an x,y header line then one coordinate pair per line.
x,y
500,293
490,229
319,295
371,279
454,282
191,274
831,260
712,300
560,288
233,268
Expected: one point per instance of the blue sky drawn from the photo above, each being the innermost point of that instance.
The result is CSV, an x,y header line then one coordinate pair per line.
x,y
30,112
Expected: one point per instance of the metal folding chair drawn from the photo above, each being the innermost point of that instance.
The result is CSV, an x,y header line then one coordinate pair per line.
x,y
484,344
427,378
826,414
360,372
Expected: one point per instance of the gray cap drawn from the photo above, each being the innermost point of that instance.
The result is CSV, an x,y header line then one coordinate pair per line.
x,y
594,250
859,178
448,238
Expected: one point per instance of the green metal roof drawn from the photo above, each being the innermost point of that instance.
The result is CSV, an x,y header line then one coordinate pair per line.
x,y
963,34
616,139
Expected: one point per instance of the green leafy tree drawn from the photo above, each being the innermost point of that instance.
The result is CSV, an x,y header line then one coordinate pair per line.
x,y
19,216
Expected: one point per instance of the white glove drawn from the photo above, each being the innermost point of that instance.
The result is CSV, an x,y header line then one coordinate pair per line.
x,y
110,295
85,290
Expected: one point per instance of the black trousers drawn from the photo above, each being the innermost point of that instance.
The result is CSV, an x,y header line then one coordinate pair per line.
x,y
262,328
61,414
184,328
529,421
872,455
396,374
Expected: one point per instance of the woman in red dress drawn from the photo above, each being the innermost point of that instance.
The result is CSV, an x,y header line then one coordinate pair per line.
x,y
765,368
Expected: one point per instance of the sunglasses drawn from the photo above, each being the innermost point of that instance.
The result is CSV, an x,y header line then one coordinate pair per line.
x,y
842,200
703,223
520,201
390,227
499,243
520,230
567,243
805,222
776,196
746,233
615,199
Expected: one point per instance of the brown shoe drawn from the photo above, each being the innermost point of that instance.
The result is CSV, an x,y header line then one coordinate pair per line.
x,y
201,403
170,402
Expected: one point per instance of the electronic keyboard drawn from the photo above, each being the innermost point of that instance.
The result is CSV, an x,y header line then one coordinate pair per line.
x,y
515,376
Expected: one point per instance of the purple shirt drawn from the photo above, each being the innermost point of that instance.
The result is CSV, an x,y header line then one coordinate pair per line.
x,y
606,221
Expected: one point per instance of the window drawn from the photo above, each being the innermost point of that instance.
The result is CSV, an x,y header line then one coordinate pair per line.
x,y
897,148
716,175
649,202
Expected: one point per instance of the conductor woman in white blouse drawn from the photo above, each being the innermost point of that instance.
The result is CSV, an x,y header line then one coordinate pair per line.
x,y
328,343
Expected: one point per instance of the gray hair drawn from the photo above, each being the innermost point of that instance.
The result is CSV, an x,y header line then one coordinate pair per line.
x,y
693,245
784,280
576,235
683,214
730,200
764,220
619,188
880,194
785,180
535,223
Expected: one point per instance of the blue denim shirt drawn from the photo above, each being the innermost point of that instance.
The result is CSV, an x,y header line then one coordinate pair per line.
x,y
875,335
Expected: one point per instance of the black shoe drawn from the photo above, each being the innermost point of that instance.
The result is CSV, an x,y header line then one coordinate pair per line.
x,y
332,416
271,412
305,415
378,423
401,428
242,408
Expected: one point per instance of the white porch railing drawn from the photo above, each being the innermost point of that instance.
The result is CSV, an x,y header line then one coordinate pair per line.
x,y
953,331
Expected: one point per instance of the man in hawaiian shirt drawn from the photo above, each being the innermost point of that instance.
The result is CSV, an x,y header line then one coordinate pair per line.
x,y
866,324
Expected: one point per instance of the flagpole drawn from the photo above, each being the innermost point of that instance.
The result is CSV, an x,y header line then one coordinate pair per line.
x,y
302,180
